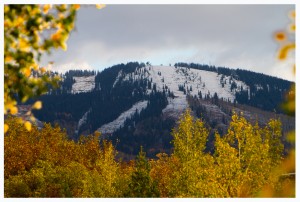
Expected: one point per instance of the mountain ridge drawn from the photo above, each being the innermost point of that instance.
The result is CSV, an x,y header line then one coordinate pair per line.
x,y
110,101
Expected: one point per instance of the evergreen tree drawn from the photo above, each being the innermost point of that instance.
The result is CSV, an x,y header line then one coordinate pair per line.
x,y
141,184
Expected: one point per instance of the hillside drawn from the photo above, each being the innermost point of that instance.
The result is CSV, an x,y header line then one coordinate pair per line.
x,y
137,104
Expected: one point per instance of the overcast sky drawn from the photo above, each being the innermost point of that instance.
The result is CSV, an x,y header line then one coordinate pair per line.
x,y
235,36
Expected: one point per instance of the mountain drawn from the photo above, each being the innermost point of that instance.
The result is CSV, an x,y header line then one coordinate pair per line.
x,y
137,104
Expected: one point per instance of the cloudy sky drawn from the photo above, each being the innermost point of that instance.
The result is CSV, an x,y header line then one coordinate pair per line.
x,y
235,36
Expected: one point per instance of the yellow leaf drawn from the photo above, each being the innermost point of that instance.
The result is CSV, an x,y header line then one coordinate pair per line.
x,y
292,27
27,125
61,15
37,105
25,98
7,23
64,46
46,8
285,50
293,14
294,69
5,128
6,8
56,36
19,21
76,6
39,20
59,26
23,44
13,110
32,118
8,58
100,6
35,67
280,36
27,72
35,11
13,45
43,70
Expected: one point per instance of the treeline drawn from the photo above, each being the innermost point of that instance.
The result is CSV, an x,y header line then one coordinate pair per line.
x,y
196,66
102,106
106,78
61,101
265,92
113,95
245,162
80,73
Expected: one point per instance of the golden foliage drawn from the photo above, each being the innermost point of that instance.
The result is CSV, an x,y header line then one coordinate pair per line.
x,y
284,181
246,162
240,166
26,38
44,163
162,171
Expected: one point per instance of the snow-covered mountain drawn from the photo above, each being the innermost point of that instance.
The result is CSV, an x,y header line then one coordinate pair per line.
x,y
139,104
193,81
197,80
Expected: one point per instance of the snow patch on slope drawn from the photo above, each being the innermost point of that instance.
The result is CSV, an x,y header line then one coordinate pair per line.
x,y
175,107
83,119
118,78
83,84
193,80
198,80
119,122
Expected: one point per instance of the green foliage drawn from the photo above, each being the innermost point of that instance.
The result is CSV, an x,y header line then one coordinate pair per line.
x,y
141,184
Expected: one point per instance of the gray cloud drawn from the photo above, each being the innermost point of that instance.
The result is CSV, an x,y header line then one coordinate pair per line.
x,y
227,35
